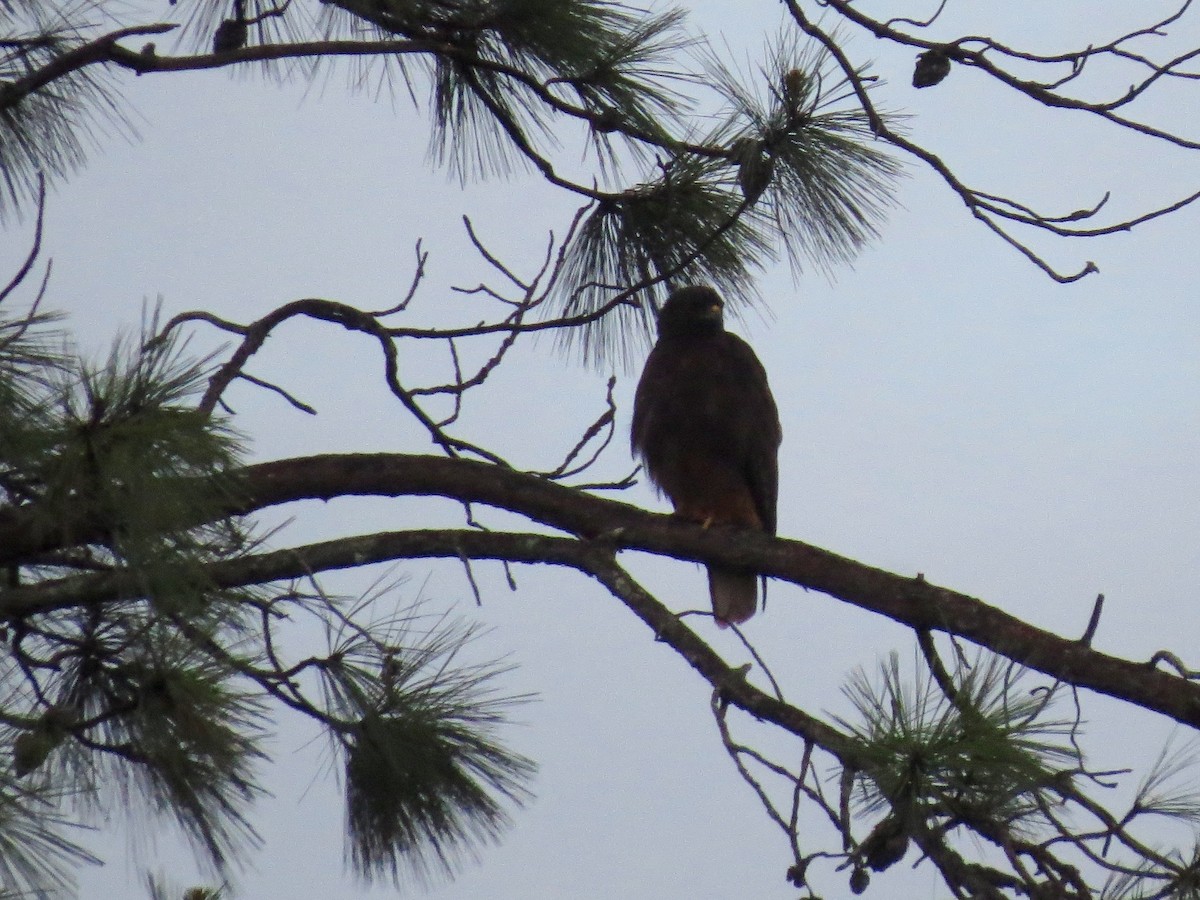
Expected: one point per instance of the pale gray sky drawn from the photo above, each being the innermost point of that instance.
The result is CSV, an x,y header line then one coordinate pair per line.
x,y
947,409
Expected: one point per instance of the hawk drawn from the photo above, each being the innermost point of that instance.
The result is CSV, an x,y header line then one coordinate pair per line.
x,y
706,427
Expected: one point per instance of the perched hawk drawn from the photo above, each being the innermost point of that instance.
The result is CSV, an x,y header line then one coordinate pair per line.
x,y
705,423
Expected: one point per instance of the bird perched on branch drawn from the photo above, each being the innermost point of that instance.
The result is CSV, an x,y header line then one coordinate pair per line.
x,y
706,426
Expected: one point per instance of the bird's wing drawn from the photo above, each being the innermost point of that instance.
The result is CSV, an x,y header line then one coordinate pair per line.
x,y
759,431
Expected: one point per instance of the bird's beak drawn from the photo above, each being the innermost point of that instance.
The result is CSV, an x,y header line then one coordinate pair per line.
x,y
714,311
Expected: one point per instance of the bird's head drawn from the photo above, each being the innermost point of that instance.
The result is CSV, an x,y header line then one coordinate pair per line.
x,y
694,309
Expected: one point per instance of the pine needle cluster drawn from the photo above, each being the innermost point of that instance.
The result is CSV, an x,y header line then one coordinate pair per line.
x,y
117,702
789,165
427,780
158,701
985,760
49,131
792,164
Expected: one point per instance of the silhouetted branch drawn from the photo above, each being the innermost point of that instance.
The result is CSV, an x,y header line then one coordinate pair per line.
x,y
980,53
914,602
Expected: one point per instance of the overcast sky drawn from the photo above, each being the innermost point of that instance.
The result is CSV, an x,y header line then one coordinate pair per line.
x,y
946,408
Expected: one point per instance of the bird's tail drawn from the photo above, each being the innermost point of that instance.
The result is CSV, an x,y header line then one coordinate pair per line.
x,y
734,594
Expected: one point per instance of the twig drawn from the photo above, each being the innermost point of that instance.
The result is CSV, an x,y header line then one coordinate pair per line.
x,y
1166,656
299,404
1093,622
35,247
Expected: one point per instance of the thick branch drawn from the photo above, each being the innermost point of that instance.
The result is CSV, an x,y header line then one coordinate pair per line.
x,y
594,559
910,601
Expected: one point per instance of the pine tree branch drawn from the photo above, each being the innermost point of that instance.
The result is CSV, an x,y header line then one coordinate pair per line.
x,y
592,558
106,50
910,601
102,49
1046,93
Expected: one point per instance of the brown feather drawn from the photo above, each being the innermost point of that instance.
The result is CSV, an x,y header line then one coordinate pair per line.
x,y
734,594
705,423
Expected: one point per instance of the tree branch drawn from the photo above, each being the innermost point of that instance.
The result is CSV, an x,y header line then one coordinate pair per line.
x,y
910,601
